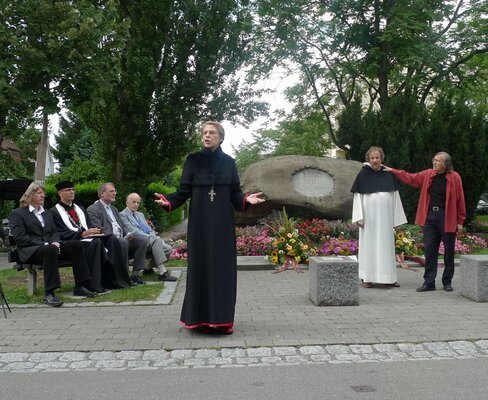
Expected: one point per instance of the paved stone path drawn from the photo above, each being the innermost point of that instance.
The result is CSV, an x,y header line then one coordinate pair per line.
x,y
238,357
275,324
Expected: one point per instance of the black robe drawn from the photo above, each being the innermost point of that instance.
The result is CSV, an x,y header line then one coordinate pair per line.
x,y
103,254
211,283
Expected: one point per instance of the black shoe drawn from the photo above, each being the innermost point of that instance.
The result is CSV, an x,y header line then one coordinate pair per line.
x,y
448,288
136,280
83,291
166,277
425,288
148,272
51,300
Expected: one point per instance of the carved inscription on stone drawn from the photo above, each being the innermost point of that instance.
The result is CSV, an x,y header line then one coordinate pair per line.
x,y
312,182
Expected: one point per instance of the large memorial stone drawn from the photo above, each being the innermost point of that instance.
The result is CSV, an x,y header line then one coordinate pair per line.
x,y
473,270
307,186
334,281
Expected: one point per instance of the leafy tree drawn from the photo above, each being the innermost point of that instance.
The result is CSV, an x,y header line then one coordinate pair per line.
x,y
376,49
53,48
295,135
177,67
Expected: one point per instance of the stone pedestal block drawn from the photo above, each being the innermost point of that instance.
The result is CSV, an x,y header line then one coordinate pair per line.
x,y
474,277
334,281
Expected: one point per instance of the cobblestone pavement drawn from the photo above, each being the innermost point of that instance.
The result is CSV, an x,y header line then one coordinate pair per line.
x,y
275,324
238,357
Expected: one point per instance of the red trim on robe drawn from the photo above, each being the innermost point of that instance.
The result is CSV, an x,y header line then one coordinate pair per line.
x,y
225,327
244,201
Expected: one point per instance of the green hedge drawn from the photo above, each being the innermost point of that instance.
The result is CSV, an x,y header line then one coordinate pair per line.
x,y
86,195
156,212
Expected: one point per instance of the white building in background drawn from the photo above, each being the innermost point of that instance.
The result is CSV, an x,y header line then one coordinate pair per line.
x,y
50,164
335,152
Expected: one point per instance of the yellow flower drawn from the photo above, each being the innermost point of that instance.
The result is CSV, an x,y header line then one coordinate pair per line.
x,y
274,253
289,235
288,247
297,258
274,260
304,247
292,240
400,235
281,239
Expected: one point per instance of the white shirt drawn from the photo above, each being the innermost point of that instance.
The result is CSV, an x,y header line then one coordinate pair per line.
x,y
38,213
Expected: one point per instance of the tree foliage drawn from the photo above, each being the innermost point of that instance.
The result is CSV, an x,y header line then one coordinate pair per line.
x,y
52,49
298,134
176,68
376,49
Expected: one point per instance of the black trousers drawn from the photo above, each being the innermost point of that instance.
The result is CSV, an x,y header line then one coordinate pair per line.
x,y
115,273
49,256
433,235
96,258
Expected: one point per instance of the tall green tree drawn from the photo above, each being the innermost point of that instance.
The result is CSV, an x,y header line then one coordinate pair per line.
x,y
53,47
178,66
376,49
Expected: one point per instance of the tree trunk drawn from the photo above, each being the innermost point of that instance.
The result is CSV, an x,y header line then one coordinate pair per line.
x,y
42,149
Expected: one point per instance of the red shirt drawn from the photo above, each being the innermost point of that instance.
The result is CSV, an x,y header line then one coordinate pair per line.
x,y
455,207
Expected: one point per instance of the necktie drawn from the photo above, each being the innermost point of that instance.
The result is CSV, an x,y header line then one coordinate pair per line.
x,y
140,224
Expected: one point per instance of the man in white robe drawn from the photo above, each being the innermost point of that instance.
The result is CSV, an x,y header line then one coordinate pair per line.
x,y
377,208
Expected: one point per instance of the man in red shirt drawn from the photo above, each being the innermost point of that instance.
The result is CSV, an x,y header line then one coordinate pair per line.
x,y
441,212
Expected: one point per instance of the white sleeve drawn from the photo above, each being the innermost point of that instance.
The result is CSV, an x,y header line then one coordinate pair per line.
x,y
357,208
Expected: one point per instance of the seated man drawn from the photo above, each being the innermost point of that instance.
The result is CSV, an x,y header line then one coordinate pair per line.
x,y
103,252
134,221
106,217
38,242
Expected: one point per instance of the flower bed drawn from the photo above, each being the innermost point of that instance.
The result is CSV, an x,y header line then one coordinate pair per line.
x,y
300,239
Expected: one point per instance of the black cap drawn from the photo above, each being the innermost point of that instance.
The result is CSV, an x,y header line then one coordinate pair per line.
x,y
64,185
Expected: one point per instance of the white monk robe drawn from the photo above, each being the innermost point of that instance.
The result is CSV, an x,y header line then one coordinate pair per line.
x,y
378,213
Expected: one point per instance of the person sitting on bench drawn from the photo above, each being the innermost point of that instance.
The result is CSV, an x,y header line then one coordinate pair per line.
x,y
38,242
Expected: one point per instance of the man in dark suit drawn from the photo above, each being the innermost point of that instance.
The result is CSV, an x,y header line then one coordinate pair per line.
x,y
38,242
105,216
103,251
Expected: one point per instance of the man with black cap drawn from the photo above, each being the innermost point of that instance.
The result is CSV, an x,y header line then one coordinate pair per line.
x,y
38,242
103,251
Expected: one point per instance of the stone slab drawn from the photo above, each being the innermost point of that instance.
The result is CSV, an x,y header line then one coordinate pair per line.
x,y
474,277
334,281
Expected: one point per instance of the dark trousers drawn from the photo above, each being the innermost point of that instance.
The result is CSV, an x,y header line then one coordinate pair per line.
x,y
96,258
433,235
116,271
48,256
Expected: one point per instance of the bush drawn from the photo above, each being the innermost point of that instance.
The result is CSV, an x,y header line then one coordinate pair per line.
x,y
162,219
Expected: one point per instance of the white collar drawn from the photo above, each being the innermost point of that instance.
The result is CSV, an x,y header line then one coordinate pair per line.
x,y
35,210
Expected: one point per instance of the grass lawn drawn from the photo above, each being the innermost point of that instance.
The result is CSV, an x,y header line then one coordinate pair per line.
x,y
14,284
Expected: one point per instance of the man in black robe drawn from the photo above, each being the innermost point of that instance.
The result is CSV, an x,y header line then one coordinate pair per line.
x,y
107,266
211,180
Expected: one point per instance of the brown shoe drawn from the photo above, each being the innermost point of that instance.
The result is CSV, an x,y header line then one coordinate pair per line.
x,y
367,285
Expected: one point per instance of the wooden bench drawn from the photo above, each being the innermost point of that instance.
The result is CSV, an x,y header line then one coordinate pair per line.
x,y
32,269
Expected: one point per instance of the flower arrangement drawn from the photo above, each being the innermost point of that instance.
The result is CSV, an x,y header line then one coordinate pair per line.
x,y
405,243
340,246
288,247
